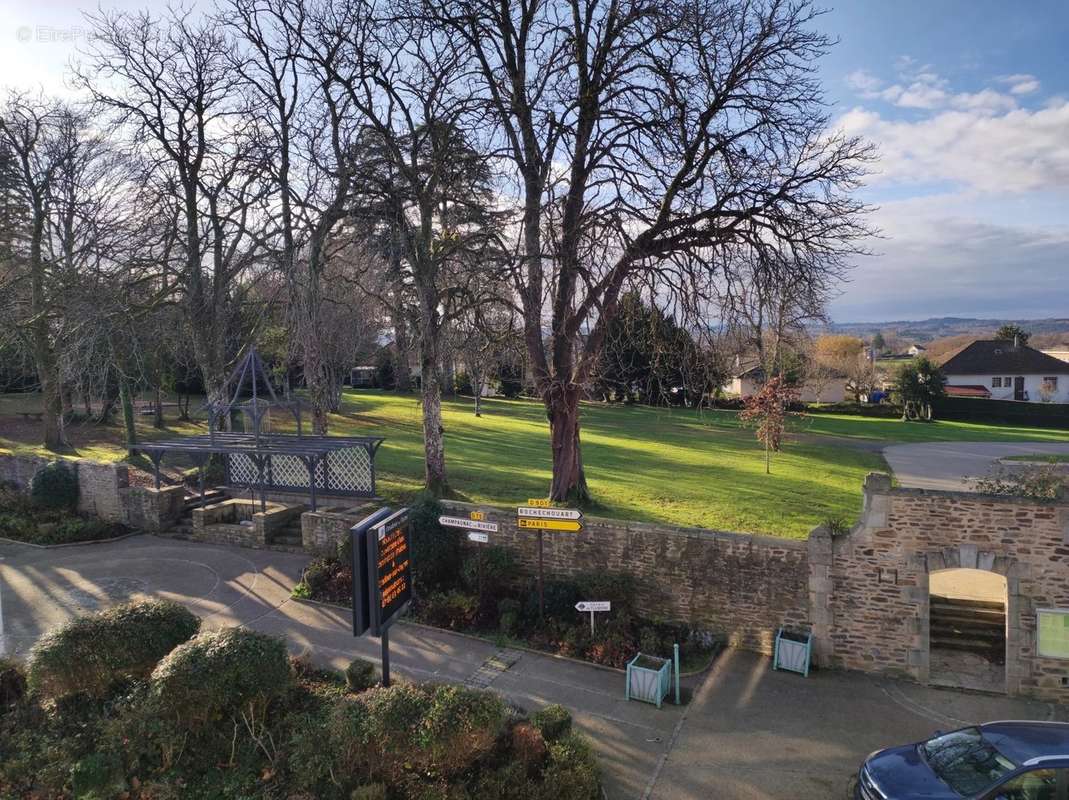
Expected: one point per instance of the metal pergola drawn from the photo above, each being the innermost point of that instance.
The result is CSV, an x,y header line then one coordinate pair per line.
x,y
335,465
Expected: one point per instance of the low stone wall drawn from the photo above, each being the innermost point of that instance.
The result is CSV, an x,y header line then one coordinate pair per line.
x,y
321,531
744,586
104,491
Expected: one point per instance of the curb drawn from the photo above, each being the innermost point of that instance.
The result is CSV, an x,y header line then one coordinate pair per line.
x,y
76,544
487,640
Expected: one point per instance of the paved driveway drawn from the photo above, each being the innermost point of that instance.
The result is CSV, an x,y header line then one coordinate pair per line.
x,y
748,733
946,465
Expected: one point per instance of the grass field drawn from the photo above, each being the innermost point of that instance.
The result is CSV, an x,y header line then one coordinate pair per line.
x,y
1043,458
651,464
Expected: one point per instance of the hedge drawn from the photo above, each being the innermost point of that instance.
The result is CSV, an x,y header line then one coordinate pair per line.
x,y
1012,412
93,652
219,672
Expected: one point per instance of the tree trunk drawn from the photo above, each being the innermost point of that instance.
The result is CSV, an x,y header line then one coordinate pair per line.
x,y
87,402
431,394
569,480
157,417
478,388
128,416
51,405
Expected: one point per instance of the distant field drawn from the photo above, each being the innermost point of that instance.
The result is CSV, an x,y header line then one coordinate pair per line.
x,y
668,465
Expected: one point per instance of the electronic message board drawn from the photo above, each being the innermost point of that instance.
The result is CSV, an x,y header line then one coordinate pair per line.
x,y
389,565
361,590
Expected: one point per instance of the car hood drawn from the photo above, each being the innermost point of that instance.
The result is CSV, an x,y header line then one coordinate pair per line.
x,y
902,774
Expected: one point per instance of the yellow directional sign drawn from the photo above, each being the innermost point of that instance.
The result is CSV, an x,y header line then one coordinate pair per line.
x,y
478,515
538,502
550,524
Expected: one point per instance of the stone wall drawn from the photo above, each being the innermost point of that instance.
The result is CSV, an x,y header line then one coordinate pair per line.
x,y
104,491
869,588
322,530
744,586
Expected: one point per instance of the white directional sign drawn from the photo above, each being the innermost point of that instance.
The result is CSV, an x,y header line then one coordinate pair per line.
x,y
593,605
475,536
549,513
470,524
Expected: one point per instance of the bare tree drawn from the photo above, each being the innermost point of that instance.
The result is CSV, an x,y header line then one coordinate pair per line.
x,y
176,104
652,139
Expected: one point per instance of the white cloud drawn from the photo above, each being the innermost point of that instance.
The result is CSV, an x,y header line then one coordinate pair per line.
x,y
1020,83
863,81
973,146
937,260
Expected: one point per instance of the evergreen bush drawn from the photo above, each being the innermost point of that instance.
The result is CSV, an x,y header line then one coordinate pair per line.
x,y
553,722
218,673
91,653
360,675
55,485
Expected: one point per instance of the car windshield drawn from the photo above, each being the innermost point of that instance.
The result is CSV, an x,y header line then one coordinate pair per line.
x,y
965,761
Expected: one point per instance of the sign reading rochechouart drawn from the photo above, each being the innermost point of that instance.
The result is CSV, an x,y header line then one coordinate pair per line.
x,y
470,524
549,513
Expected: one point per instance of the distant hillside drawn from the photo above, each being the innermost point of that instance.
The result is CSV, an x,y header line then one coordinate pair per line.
x,y
927,330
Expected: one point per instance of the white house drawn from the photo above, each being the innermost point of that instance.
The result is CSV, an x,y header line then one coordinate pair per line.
x,y
749,382
916,350
1010,371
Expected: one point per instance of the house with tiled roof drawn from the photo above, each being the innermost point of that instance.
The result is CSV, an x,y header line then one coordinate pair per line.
x,y
1009,370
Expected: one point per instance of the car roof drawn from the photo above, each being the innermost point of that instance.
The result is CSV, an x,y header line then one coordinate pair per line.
x,y
1024,740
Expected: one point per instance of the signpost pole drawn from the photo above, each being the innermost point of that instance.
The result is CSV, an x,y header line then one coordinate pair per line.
x,y
591,623
541,580
385,639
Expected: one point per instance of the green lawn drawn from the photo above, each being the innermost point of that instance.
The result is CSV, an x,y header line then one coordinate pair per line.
x,y
667,465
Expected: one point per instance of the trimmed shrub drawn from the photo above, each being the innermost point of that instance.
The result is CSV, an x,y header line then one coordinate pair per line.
x,y
454,610
91,653
12,683
436,554
560,600
393,732
553,722
508,616
219,672
372,791
487,573
528,745
360,675
572,771
55,485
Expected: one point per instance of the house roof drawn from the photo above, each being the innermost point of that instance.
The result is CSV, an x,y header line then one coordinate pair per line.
x,y
968,391
999,356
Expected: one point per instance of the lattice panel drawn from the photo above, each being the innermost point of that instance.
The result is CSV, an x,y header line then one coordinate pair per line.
x,y
350,470
291,472
242,470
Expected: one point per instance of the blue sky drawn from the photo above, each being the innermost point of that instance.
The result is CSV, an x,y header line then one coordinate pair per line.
x,y
968,103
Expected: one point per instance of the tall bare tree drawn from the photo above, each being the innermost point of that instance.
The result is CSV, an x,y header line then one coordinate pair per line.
x,y
651,138
176,104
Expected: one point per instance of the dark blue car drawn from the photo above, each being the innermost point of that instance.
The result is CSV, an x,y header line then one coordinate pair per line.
x,y
996,761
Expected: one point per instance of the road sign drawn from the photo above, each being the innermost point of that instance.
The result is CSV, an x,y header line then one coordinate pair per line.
x,y
550,524
549,513
594,605
591,606
478,515
470,524
538,502
475,536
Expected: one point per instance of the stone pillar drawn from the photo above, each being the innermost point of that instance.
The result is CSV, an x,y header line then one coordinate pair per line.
x,y
821,557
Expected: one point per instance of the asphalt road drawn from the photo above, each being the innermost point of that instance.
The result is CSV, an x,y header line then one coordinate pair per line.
x,y
748,733
952,466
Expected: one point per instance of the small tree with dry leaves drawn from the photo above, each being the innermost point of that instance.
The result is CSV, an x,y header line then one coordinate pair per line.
x,y
767,412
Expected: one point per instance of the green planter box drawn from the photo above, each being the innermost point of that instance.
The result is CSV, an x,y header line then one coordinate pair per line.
x,y
794,651
649,679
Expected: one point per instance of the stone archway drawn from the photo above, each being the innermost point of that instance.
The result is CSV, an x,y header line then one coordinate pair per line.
x,y
970,557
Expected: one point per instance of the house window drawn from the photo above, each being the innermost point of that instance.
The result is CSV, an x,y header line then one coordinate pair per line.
x,y
1007,381
1052,633
996,383
1052,382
